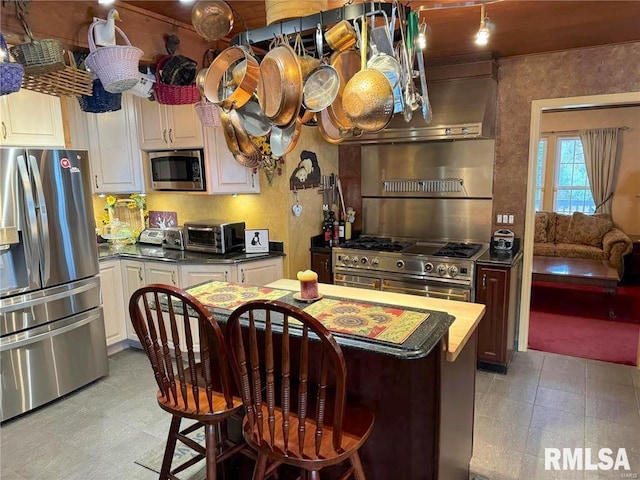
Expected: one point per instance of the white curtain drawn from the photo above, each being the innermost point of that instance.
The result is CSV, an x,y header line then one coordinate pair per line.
x,y
599,146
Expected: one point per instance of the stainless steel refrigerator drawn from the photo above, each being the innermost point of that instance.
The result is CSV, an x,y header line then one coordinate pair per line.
x,y
52,338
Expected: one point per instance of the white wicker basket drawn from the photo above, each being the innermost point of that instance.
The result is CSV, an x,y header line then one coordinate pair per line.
x,y
207,113
116,65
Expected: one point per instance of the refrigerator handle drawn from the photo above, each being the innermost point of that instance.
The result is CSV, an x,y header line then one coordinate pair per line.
x,y
30,230
41,207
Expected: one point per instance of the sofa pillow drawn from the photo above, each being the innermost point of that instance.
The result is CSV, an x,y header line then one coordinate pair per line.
x,y
540,234
588,229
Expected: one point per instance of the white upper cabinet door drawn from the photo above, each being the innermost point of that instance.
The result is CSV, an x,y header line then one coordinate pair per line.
x,y
116,160
184,127
164,127
152,128
260,272
224,173
31,119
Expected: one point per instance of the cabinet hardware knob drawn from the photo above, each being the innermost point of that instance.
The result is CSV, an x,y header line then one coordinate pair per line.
x,y
4,130
326,265
173,277
164,135
140,274
484,280
242,270
170,135
225,275
96,177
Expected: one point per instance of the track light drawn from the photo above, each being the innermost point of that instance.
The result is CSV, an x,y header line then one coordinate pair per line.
x,y
482,37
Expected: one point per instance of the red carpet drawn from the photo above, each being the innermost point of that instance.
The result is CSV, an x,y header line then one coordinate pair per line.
x,y
573,320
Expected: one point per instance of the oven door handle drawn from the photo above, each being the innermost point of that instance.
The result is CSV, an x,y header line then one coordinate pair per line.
x,y
464,297
375,285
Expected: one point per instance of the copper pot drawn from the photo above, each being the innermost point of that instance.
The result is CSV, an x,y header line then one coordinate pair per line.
x,y
330,132
220,89
229,132
342,36
283,140
280,85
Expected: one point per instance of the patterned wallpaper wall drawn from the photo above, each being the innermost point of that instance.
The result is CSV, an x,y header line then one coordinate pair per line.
x,y
589,71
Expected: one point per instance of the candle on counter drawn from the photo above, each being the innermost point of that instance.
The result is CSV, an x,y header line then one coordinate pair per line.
x,y
308,284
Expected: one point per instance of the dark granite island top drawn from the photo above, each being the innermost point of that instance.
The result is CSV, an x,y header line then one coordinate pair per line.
x,y
423,403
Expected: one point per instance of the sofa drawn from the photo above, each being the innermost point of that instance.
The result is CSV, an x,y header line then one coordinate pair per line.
x,y
580,236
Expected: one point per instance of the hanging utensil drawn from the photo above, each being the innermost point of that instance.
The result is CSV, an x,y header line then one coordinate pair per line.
x,y
322,85
427,113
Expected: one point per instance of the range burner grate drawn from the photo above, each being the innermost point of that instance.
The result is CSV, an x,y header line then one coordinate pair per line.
x,y
458,250
376,243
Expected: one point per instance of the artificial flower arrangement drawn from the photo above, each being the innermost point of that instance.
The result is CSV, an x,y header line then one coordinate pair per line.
x,y
135,201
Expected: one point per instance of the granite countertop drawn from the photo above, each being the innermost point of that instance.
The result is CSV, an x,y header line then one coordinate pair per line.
x,y
156,252
458,319
501,258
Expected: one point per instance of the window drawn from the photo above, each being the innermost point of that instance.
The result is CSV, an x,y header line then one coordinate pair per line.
x,y
572,191
542,154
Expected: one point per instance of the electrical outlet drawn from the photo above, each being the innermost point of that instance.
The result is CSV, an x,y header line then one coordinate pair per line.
x,y
499,219
510,219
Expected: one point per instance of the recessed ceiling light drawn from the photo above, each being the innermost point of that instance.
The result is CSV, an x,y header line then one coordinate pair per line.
x,y
105,2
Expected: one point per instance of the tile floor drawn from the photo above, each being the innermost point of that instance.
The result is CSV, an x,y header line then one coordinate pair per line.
x,y
551,400
545,400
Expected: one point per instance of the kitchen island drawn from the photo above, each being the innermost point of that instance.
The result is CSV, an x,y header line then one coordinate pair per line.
x,y
422,397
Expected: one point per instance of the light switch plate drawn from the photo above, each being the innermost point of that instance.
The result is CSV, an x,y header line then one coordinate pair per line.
x,y
499,220
510,219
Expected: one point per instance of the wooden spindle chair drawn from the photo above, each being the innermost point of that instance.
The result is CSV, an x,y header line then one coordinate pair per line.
x,y
188,387
284,421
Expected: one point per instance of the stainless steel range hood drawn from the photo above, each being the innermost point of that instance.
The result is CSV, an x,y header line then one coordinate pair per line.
x,y
462,108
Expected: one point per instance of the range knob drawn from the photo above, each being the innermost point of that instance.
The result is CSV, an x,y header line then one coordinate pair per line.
x,y
354,260
374,262
400,264
177,242
364,260
448,131
428,267
465,131
441,269
345,259
453,271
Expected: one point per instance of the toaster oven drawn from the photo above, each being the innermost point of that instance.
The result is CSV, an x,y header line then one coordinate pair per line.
x,y
212,236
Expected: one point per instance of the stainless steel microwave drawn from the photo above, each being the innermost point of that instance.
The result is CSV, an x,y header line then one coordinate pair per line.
x,y
181,170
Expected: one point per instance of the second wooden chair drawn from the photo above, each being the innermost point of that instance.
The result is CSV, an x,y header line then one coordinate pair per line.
x,y
313,429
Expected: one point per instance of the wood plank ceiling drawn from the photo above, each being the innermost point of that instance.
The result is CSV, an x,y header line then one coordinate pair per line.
x,y
521,27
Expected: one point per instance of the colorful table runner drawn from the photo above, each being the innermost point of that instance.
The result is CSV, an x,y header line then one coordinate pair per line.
x,y
379,322
229,296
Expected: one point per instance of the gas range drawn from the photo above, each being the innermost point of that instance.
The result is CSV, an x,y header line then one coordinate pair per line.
x,y
428,261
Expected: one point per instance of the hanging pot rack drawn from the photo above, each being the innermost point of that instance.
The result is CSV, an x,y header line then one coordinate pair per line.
x,y
310,22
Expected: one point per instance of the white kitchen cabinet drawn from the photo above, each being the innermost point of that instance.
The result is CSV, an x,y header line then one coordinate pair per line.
x,y
224,174
193,274
162,272
31,119
116,161
113,305
133,278
162,127
260,272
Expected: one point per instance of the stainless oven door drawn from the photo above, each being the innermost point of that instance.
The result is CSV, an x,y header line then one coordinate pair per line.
x,y
358,281
428,289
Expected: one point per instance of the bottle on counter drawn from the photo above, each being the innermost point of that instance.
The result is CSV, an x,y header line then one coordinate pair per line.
x,y
341,230
336,231
327,228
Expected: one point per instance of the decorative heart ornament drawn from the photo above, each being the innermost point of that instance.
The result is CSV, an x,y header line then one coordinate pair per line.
x,y
297,210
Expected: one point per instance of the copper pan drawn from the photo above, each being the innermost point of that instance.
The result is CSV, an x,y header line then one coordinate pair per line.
x,y
347,64
229,132
252,161
224,93
283,140
245,144
329,131
280,85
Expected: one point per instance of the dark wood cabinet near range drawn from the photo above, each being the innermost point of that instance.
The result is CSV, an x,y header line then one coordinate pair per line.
x,y
498,288
321,264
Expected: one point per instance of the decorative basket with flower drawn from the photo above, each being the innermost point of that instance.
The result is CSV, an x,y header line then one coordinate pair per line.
x,y
132,211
